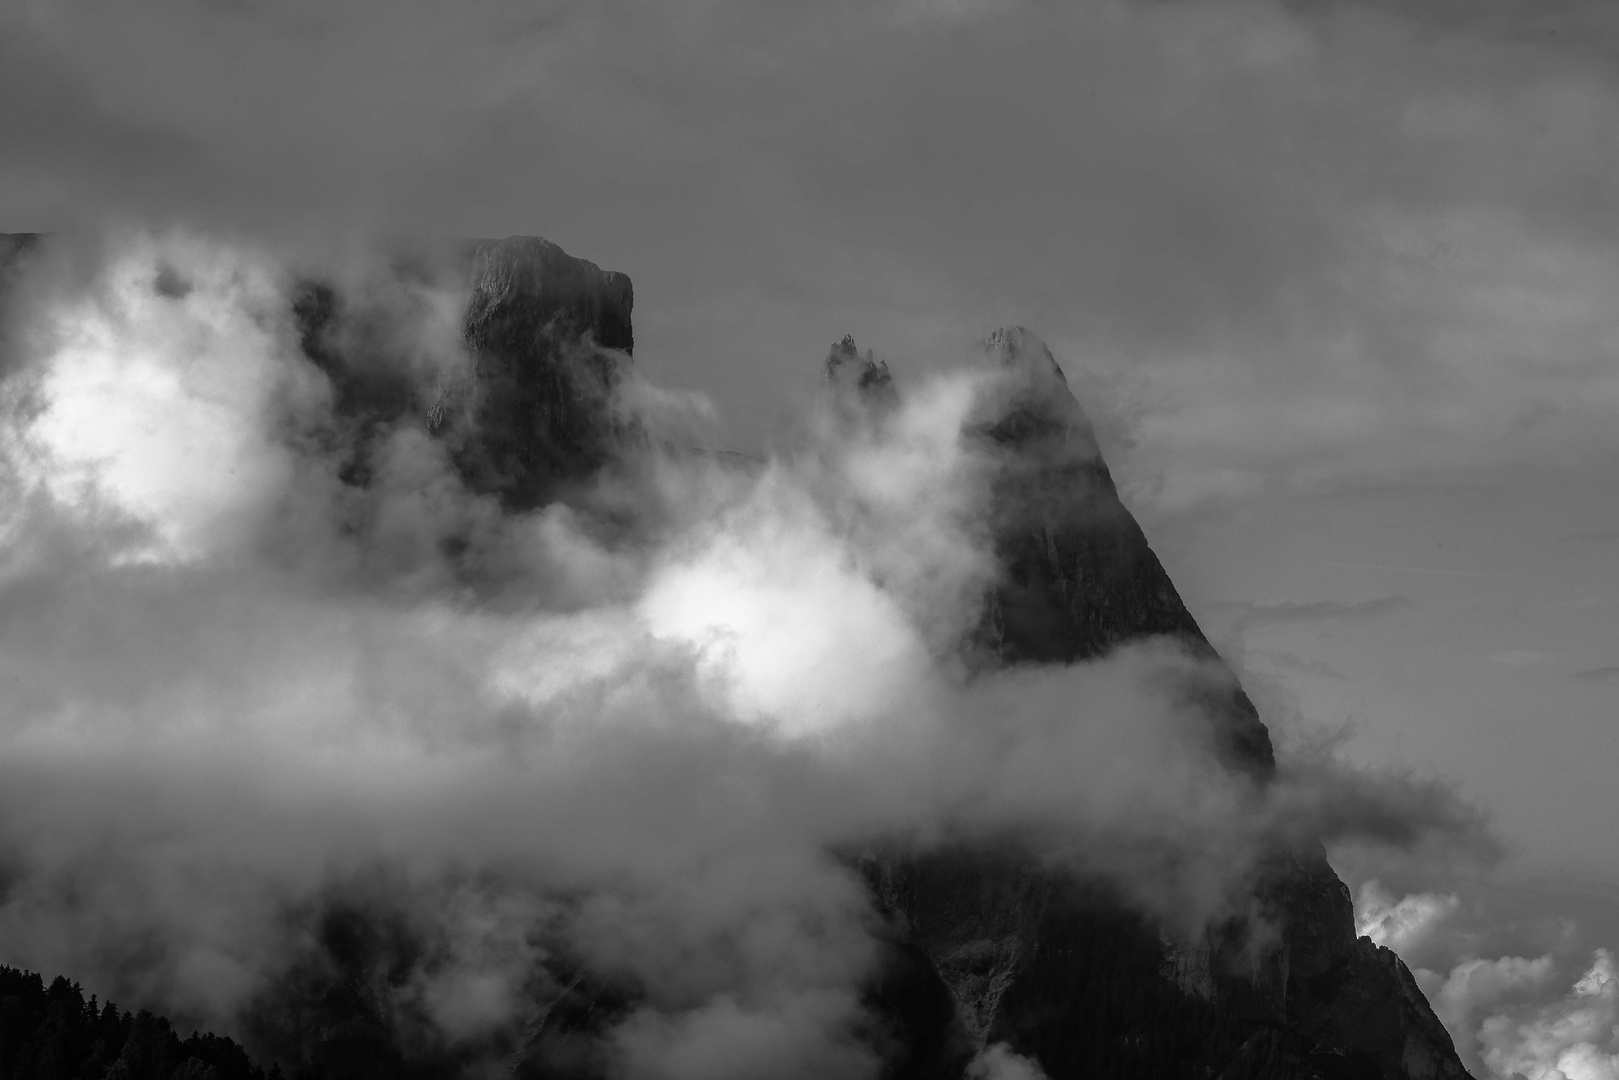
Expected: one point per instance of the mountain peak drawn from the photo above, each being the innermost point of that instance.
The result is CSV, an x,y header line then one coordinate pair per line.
x,y
1018,346
1077,580
532,283
858,381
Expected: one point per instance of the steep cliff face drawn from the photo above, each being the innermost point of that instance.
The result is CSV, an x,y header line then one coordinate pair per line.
x,y
548,336
1040,961
988,943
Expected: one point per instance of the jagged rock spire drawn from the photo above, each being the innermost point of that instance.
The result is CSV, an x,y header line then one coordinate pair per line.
x,y
1030,954
859,383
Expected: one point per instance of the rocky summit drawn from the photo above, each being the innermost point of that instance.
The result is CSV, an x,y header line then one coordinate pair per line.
x,y
986,943
989,944
1058,968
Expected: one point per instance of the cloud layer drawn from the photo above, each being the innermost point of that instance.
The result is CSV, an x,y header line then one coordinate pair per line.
x,y
1369,242
1548,1013
246,692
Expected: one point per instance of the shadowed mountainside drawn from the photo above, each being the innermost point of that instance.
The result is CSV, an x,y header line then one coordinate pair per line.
x,y
1022,948
548,335
987,944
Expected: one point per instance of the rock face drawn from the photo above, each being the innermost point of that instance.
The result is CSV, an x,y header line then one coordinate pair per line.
x,y
549,337
1058,969
859,384
988,944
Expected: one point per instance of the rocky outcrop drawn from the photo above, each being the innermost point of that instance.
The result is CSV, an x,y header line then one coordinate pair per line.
x,y
1038,960
987,942
548,337
1368,1002
861,385
1079,578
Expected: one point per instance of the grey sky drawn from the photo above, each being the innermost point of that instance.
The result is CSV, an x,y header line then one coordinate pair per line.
x,y
1368,249
1338,278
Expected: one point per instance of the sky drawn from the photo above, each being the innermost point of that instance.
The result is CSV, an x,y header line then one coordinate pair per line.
x,y
1335,279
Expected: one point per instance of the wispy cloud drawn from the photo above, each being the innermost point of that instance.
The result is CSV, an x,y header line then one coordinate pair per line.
x,y
1519,1000
1348,612
1344,275
1291,662
247,685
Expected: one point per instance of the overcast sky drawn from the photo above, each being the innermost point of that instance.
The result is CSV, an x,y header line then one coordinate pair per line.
x,y
1339,280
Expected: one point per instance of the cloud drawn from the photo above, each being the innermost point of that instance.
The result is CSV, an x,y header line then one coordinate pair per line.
x,y
1400,925
142,406
1336,611
1570,1039
1290,662
1475,988
998,1062
1607,673
1538,1015
287,703
1353,281
1393,809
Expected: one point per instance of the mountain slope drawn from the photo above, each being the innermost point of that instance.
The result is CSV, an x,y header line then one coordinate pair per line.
x,y
986,942
1017,944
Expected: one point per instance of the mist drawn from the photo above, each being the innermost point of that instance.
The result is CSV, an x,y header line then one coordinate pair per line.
x,y
647,733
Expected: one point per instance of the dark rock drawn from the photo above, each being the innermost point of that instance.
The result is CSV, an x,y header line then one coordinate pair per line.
x,y
861,386
343,1010
549,336
989,943
1369,1005
1059,969
1078,577
921,1036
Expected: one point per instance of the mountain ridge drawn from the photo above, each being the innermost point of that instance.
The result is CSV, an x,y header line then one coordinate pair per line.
x,y
985,943
1079,580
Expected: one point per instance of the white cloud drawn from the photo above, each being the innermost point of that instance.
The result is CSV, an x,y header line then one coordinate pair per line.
x,y
1511,1017
1475,987
639,751
1404,924
785,626
155,407
998,1062
1573,1038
